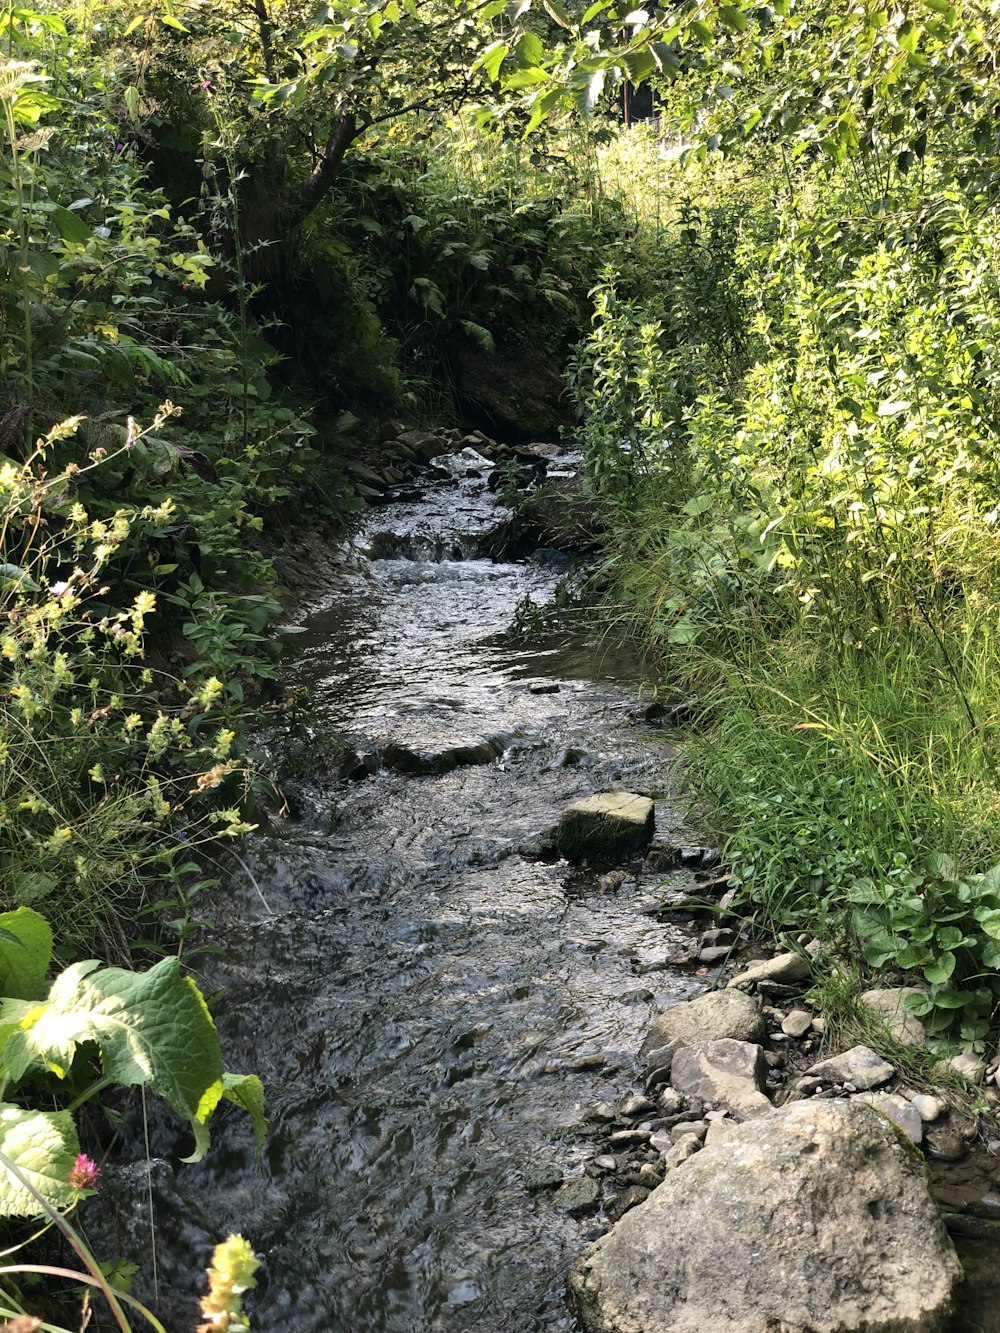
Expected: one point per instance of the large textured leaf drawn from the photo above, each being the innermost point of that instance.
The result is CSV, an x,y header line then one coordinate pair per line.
x,y
151,1027
246,1090
43,1146
25,954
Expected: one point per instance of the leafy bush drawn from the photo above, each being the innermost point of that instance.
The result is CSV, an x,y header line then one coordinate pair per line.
x,y
98,776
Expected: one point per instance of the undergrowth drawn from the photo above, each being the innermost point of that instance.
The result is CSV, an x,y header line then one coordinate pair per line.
x,y
798,481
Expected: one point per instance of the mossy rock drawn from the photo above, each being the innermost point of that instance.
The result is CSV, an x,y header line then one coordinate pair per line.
x,y
606,826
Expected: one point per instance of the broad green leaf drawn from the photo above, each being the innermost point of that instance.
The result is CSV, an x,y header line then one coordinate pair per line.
x,y
951,999
666,56
587,88
989,923
528,52
492,58
246,1090
640,64
70,227
733,18
14,574
697,505
939,972
152,1028
542,107
939,864
44,1147
893,407
703,32
25,954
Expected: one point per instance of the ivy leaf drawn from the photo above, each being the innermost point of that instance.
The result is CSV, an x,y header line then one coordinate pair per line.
x,y
152,1028
247,1091
25,954
43,1146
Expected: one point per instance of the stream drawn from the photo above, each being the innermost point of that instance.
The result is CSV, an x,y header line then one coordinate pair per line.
x,y
432,1012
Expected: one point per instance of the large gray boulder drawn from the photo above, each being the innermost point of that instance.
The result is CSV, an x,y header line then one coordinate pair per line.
x,y
711,1017
608,825
814,1218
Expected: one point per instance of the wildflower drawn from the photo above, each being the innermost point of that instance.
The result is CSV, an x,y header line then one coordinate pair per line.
x,y
85,1173
231,1274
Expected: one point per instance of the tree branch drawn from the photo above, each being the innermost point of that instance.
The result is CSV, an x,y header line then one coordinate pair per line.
x,y
309,193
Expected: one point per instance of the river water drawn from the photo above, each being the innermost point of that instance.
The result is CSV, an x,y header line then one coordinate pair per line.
x,y
432,1011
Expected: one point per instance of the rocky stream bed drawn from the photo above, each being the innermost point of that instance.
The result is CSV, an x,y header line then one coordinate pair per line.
x,y
489,1029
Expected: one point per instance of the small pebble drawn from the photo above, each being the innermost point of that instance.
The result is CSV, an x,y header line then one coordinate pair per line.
x,y
947,1145
699,1128
635,1105
670,1102
716,953
929,1108
680,1152
606,1162
628,1138
797,1023
603,1111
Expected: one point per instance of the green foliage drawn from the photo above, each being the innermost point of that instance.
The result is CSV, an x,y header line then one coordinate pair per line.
x,y
929,919
823,565
632,390
147,1028
96,772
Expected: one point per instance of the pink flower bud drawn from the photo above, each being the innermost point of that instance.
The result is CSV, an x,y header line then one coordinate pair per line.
x,y
85,1173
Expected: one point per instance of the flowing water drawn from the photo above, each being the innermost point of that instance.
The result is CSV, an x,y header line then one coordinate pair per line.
x,y
432,1012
